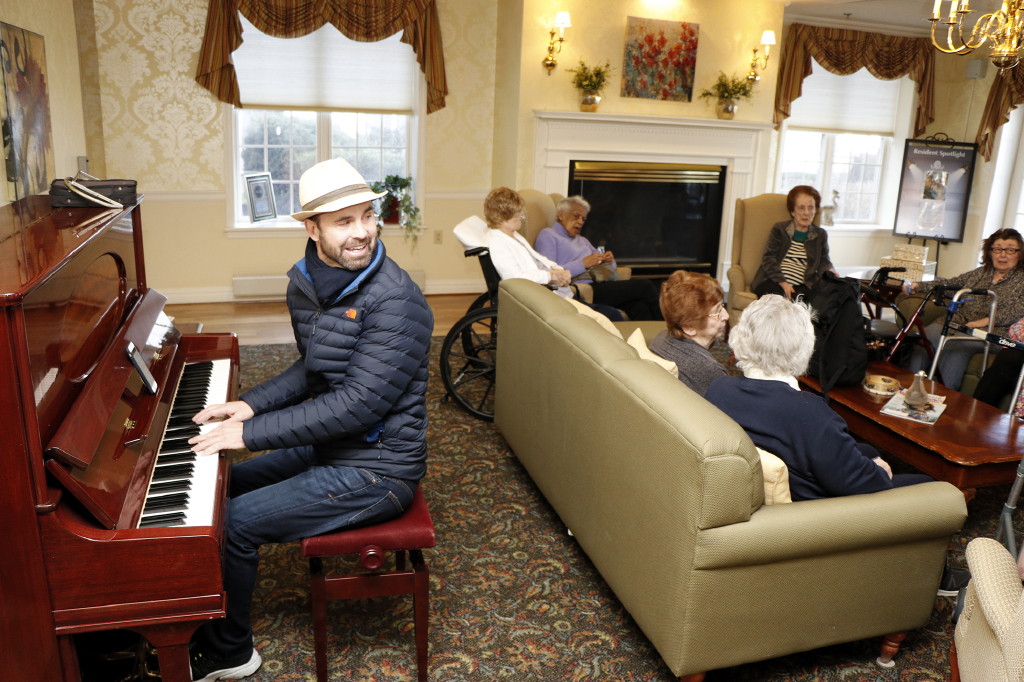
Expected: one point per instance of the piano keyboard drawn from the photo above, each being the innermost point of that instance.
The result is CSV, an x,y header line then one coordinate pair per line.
x,y
182,489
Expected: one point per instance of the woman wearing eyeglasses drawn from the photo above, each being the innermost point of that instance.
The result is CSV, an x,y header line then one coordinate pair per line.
x,y
691,304
1002,272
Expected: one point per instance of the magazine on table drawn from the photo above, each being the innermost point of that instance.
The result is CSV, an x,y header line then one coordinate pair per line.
x,y
897,407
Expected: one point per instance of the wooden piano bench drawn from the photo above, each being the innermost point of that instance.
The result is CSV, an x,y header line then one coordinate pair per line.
x,y
411,532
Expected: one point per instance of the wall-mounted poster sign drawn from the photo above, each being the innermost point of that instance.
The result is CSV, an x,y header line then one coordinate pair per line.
x,y
25,113
934,189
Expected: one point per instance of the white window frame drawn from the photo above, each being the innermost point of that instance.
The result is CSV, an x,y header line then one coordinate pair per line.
x,y
885,217
239,226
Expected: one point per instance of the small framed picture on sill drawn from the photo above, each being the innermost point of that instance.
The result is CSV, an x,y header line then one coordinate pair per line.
x,y
261,197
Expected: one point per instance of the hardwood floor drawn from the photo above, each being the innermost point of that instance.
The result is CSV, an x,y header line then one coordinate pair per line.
x,y
258,322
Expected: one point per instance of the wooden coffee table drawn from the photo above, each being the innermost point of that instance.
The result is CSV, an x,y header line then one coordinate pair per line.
x,y
971,445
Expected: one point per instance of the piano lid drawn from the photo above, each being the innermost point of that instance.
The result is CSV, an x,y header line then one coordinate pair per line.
x,y
35,239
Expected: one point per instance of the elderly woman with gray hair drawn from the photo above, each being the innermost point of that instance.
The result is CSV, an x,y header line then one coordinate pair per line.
x,y
773,342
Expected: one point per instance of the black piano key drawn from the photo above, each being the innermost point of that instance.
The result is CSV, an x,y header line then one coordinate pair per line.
x,y
170,486
172,471
162,520
172,501
175,457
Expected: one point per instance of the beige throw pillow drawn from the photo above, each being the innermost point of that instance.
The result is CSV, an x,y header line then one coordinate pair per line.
x,y
639,344
596,316
776,478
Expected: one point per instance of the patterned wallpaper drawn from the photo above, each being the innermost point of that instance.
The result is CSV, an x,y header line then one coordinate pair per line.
x,y
159,126
162,128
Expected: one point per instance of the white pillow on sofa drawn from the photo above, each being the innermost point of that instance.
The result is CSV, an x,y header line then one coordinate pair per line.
x,y
596,316
639,344
776,478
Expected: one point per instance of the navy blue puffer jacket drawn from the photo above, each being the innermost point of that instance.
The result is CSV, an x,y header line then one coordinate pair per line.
x,y
358,391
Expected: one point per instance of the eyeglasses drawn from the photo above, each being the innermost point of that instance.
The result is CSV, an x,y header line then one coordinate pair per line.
x,y
717,311
1008,250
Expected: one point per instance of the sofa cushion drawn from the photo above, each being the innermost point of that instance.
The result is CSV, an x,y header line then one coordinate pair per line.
x,y
639,344
776,478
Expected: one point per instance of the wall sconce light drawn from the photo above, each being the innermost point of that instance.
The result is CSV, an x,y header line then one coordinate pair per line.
x,y
555,44
760,64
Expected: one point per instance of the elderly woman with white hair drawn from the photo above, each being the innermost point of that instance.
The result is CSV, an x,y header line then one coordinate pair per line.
x,y
772,343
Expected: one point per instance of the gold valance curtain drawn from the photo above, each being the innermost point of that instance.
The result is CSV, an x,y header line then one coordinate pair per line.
x,y
1005,95
845,51
362,20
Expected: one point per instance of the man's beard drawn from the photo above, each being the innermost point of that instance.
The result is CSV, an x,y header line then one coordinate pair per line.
x,y
338,256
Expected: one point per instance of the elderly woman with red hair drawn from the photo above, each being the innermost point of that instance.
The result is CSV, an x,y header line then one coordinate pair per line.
x,y
691,304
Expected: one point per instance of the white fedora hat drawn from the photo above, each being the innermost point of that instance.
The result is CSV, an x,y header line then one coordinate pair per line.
x,y
331,186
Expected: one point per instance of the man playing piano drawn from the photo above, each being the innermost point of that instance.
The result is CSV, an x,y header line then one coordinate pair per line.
x,y
346,424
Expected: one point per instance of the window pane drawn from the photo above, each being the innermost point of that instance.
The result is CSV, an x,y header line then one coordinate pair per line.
x,y
286,197
393,131
278,158
303,158
802,162
347,153
278,127
368,164
393,162
369,130
253,160
304,128
251,126
343,129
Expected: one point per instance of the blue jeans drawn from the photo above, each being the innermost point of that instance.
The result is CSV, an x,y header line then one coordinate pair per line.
x,y
283,496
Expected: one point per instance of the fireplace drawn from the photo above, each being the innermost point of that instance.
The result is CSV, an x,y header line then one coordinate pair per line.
x,y
738,151
655,217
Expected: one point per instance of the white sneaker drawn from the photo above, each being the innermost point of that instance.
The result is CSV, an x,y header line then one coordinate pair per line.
x,y
207,669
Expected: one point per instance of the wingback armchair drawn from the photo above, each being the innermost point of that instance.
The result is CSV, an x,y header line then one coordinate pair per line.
x,y
989,636
753,221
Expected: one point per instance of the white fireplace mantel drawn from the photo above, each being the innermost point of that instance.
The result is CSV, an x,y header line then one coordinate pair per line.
x,y
740,146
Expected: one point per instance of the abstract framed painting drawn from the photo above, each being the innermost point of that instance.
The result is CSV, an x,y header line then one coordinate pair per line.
x,y
659,59
25,112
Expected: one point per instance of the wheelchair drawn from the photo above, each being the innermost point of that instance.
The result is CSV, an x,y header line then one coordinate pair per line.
x,y
469,350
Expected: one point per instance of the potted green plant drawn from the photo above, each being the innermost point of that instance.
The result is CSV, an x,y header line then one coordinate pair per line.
x,y
727,90
398,208
590,81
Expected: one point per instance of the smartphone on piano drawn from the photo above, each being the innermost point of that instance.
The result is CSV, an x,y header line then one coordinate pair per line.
x,y
135,355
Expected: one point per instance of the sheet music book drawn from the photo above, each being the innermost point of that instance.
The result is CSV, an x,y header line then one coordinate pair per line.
x,y
897,407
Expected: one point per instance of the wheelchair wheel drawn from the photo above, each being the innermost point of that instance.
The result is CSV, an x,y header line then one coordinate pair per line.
x,y
484,300
468,357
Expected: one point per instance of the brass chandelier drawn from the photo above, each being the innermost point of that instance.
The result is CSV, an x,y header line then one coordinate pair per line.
x,y
1003,28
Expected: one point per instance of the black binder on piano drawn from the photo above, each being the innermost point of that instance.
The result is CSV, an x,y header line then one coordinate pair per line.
x,y
82,443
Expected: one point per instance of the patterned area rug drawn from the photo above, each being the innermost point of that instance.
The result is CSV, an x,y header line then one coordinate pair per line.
x,y
512,595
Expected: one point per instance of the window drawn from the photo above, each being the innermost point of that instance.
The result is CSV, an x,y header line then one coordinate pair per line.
x,y
360,105
287,143
840,140
848,163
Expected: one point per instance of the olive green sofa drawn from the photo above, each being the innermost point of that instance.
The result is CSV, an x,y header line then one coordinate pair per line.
x,y
665,495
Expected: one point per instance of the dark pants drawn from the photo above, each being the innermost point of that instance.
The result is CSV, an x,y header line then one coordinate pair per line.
x,y
1000,378
283,496
769,287
898,480
638,298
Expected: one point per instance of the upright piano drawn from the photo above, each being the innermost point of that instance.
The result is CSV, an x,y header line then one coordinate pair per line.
x,y
110,522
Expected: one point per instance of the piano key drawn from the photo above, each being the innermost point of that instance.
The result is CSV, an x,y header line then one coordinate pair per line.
x,y
210,380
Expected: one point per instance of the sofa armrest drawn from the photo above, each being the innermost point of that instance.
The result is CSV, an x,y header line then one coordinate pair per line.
x,y
783,532
623,272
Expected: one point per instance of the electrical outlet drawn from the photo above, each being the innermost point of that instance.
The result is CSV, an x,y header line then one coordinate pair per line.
x,y
438,237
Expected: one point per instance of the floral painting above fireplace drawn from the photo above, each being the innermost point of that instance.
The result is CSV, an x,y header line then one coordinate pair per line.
x,y
659,59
